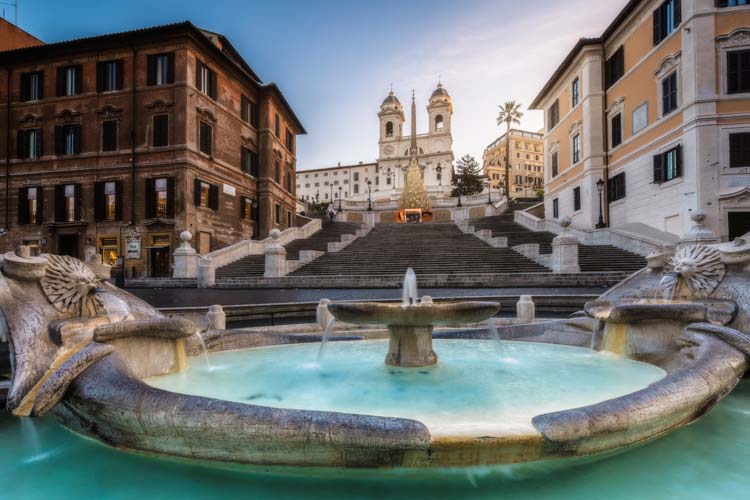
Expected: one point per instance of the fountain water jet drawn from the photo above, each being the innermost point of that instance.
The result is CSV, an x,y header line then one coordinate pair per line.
x,y
204,350
326,337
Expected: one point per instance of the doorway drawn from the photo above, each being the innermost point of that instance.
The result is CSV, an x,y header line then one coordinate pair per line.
x,y
159,258
67,244
739,224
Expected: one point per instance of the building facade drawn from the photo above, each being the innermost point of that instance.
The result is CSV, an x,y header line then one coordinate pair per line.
x,y
13,37
656,112
526,163
120,142
387,174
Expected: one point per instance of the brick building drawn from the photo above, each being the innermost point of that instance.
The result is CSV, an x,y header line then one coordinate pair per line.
x,y
122,141
526,163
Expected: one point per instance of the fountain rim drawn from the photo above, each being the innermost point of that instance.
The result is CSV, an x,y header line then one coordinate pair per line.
x,y
419,314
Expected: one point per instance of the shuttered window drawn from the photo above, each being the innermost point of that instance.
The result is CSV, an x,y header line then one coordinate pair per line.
x,y
732,3
666,18
160,197
616,187
739,150
68,140
616,130
577,198
555,208
160,69
249,162
555,164
109,75
615,67
205,194
67,202
32,86
69,80
205,79
108,201
109,135
668,165
29,143
206,138
738,71
161,131
553,115
669,94
575,92
31,205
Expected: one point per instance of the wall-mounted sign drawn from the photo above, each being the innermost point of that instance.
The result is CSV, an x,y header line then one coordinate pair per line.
x,y
133,248
230,190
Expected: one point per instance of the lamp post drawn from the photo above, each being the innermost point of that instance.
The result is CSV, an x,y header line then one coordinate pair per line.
x,y
369,196
339,198
331,194
489,191
460,188
317,195
256,217
600,188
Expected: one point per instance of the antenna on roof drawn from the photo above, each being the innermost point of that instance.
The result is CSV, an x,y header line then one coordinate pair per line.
x,y
14,4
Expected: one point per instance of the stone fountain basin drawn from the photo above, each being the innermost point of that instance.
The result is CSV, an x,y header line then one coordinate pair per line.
x,y
419,315
109,403
684,312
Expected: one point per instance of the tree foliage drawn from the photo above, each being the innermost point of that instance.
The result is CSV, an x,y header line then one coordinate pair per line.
x,y
468,177
509,114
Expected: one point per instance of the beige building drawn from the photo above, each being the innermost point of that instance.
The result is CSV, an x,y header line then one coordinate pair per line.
x,y
386,176
658,109
526,163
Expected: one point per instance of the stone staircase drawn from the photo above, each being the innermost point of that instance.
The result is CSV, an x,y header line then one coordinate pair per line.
x,y
254,265
429,248
597,258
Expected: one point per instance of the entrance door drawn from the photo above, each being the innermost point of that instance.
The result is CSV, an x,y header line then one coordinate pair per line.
x,y
159,262
67,244
739,224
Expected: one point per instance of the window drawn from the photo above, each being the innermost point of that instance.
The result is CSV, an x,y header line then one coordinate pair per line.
x,y
206,138
67,202
356,176
246,208
277,172
160,69
574,92
277,213
732,3
69,80
32,86
160,197
669,94
289,140
555,208
109,135
109,76
617,187
30,205
576,198
389,129
356,189
289,182
666,18
576,148
668,165
439,123
616,130
29,143
739,150
640,117
108,201
68,140
249,111
738,71
615,67
161,131
553,115
205,79
205,195
249,160
277,125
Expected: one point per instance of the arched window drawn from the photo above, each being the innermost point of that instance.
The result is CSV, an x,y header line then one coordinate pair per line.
x,y
439,122
389,129
277,172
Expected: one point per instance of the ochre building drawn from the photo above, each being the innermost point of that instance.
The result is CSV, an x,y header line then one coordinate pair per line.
x,y
122,141
658,110
526,166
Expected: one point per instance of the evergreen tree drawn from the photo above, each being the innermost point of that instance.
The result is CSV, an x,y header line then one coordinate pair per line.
x,y
467,177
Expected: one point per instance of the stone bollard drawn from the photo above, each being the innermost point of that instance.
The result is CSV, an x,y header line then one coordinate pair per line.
x,y
565,250
185,258
206,273
322,314
217,318
275,257
526,310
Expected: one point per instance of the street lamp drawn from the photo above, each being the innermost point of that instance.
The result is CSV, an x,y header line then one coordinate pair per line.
x,y
600,188
339,198
369,196
331,194
460,188
317,195
489,191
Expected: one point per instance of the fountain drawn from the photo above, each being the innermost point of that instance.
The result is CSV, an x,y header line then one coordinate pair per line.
x,y
649,356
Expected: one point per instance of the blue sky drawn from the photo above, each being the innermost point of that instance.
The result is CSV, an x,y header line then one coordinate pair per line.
x,y
335,60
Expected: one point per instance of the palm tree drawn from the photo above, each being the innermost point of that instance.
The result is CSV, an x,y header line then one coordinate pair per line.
x,y
509,113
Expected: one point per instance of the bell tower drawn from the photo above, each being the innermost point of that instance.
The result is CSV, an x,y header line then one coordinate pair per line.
x,y
391,119
440,111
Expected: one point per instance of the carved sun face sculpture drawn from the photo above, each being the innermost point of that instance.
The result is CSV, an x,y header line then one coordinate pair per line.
x,y
69,285
699,267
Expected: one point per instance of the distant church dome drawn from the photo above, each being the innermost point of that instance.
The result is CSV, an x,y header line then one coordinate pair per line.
x,y
391,100
440,92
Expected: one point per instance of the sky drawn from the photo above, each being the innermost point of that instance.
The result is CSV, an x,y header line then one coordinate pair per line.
x,y
336,60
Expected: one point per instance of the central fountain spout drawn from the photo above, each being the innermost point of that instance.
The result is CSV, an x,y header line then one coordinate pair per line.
x,y
410,324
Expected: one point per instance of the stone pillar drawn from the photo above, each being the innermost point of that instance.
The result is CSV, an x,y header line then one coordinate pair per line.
x,y
525,310
206,273
565,250
217,318
699,234
275,257
185,258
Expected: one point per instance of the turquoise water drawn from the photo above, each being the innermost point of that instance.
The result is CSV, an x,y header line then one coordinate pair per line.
x,y
475,388
707,460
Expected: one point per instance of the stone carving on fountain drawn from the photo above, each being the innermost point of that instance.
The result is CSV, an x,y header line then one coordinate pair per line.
x,y
59,318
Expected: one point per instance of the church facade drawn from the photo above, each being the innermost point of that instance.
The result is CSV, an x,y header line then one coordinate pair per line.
x,y
386,177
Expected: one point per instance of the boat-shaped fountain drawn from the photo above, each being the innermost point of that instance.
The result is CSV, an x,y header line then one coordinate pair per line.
x,y
651,355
